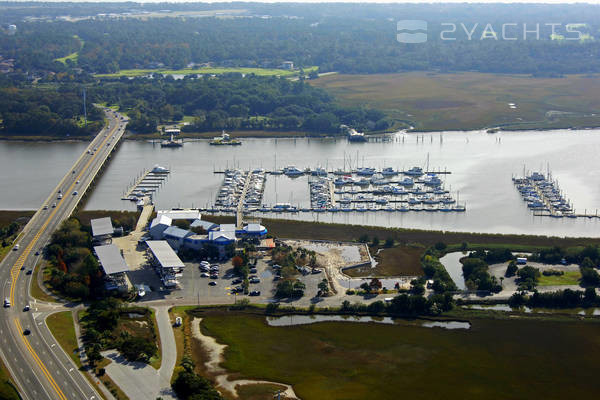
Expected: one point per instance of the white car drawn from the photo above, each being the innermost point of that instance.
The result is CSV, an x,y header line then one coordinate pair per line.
x,y
16,247
141,292
77,183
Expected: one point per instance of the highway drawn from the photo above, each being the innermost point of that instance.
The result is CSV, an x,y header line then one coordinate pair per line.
x,y
37,363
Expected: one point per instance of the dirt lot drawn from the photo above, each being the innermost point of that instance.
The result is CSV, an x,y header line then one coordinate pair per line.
x,y
394,261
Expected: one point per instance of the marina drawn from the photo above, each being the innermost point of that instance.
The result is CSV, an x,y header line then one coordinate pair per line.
x,y
543,196
363,189
482,169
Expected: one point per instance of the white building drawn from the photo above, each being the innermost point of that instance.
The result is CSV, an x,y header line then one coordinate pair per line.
x,y
158,226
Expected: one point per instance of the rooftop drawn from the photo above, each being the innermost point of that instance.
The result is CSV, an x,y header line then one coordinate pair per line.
x,y
164,254
179,214
204,224
102,226
176,232
111,259
162,219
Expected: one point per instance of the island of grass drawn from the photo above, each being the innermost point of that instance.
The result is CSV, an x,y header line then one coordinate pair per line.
x,y
472,100
567,278
378,361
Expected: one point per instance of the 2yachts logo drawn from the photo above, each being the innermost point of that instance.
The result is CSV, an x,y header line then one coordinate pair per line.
x,y
415,31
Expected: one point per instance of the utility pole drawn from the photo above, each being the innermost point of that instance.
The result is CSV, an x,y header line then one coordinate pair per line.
x,y
84,108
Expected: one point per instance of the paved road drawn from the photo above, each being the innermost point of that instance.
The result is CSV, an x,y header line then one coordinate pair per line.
x,y
140,381
36,362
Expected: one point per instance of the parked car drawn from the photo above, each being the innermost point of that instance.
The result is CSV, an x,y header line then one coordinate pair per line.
x,y
214,276
236,281
253,270
255,293
212,283
178,321
255,280
204,275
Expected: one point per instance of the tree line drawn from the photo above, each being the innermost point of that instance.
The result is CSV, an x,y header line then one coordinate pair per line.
x,y
362,41
233,102
47,112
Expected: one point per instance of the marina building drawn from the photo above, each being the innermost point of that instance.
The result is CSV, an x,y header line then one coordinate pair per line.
x,y
158,226
175,236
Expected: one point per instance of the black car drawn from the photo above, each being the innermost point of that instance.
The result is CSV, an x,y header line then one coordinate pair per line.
x,y
255,293
237,289
236,281
37,253
26,332
28,272
253,270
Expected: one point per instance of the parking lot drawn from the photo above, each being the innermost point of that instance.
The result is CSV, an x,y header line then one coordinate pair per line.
x,y
195,288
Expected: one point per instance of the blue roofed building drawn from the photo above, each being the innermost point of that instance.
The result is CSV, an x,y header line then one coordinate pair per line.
x,y
175,236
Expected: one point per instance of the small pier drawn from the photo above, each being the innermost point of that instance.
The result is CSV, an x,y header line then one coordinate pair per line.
x,y
146,184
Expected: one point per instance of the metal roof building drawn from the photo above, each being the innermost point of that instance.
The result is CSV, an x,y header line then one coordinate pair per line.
x,y
164,254
179,214
102,227
176,233
208,226
111,259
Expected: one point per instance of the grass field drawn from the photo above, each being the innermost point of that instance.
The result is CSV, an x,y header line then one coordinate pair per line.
x,y
394,261
7,390
569,278
470,100
205,71
62,327
73,56
377,361
288,229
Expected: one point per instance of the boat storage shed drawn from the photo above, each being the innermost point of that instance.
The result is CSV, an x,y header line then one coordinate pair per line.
x,y
111,259
102,229
164,254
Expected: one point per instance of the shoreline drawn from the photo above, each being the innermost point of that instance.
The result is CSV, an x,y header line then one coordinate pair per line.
x,y
279,135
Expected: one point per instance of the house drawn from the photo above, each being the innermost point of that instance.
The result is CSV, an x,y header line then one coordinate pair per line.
x,y
114,266
158,226
287,65
175,236
102,230
167,263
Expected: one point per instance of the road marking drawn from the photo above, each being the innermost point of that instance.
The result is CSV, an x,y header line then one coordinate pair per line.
x,y
16,269
39,362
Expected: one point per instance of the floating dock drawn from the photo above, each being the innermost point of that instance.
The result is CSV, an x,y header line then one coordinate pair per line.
x,y
146,184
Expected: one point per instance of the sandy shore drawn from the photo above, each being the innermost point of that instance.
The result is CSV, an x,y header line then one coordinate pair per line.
x,y
215,352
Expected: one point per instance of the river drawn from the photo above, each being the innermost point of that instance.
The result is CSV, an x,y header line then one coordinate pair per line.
x,y
481,164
